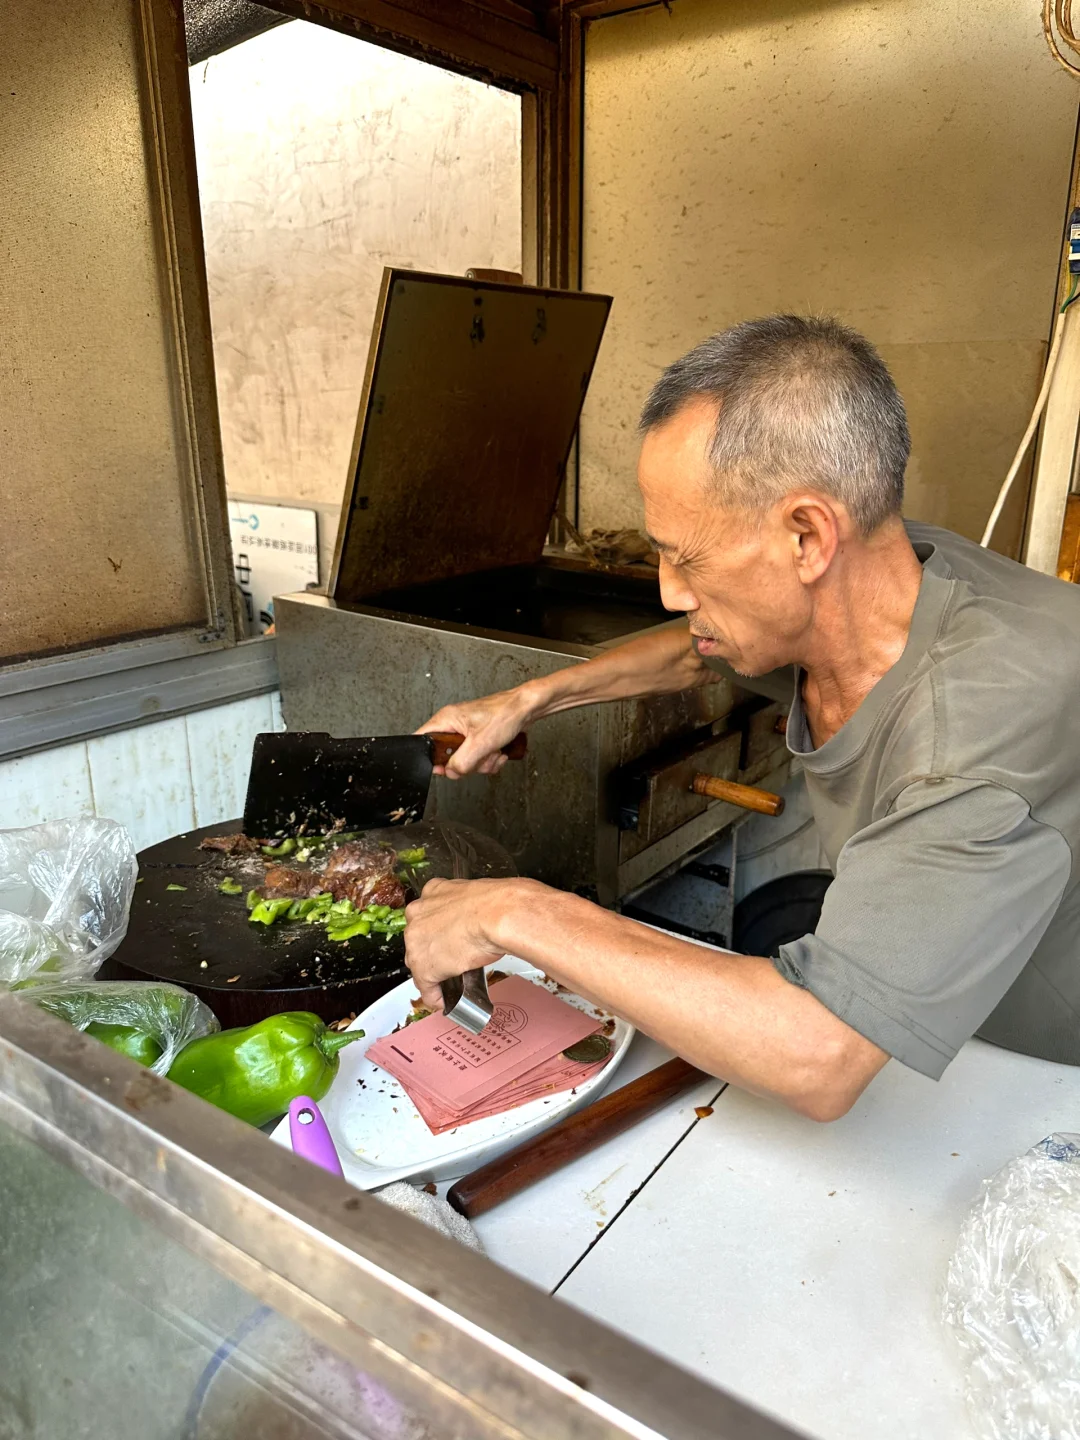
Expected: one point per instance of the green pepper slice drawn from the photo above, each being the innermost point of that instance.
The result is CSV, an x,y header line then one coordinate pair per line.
x,y
301,909
267,912
346,932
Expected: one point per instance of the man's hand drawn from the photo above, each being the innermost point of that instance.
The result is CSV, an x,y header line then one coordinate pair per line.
x,y
654,664
487,724
733,1016
450,930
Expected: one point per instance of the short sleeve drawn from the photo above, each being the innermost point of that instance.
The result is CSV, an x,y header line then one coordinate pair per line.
x,y
934,912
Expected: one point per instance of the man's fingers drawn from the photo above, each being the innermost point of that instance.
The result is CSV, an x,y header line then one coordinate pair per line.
x,y
493,764
446,719
430,996
471,756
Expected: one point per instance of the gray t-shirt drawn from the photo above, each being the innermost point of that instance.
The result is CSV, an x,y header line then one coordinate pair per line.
x,y
949,808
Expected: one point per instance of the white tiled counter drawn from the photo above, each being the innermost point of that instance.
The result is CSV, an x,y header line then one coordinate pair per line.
x,y
584,1198
799,1266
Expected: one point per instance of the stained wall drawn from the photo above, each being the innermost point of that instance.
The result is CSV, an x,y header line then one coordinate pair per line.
x,y
903,164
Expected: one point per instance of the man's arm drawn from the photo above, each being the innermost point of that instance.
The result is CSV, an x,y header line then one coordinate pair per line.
x,y
661,663
734,1016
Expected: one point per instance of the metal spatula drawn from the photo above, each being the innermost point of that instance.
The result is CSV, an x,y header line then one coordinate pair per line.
x,y
465,997
307,783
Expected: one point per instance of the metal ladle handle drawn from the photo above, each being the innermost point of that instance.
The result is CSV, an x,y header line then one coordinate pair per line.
x,y
466,1000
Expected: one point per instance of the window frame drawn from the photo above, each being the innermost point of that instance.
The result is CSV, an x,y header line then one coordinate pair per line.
x,y
50,699
530,49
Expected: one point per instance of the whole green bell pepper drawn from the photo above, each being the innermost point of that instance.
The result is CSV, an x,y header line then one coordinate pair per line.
x,y
255,1072
126,1040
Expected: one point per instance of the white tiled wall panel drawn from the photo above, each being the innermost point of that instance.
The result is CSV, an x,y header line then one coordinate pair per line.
x,y
143,779
48,786
219,749
157,780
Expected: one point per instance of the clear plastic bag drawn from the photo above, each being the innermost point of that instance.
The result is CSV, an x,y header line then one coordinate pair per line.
x,y
1012,1297
65,893
171,1016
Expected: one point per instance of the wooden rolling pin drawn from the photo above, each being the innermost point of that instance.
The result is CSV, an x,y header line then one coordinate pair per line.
x,y
748,796
536,1159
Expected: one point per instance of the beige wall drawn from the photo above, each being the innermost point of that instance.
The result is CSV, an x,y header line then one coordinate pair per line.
x,y
321,159
96,482
904,165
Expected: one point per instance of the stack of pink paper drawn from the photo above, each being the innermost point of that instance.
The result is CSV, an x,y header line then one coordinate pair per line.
x,y
453,1077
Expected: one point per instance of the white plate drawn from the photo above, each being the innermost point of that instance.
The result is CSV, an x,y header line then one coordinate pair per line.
x,y
378,1133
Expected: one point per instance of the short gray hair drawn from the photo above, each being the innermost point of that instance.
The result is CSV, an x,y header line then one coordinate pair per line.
x,y
802,401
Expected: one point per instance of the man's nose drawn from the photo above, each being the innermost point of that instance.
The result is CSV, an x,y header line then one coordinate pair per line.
x,y
675,594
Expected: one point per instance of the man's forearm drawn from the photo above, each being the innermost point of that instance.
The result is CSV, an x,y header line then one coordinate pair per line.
x,y
659,664
734,1016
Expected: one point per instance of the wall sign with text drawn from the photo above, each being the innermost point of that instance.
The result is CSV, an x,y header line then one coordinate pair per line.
x,y
275,552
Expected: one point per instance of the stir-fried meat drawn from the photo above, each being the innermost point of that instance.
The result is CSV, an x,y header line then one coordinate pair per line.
x,y
363,873
359,857
231,844
385,889
378,886
283,882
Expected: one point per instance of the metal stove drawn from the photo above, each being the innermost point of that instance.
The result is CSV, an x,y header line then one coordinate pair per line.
x,y
443,589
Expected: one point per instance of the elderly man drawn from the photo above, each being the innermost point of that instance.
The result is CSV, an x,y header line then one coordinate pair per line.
x,y
934,714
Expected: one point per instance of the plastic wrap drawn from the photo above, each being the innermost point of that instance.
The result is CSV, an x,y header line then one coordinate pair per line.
x,y
1012,1297
170,1015
65,893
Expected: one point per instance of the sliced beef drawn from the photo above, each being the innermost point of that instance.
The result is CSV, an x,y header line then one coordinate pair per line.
x,y
363,873
231,844
359,857
283,882
362,884
377,890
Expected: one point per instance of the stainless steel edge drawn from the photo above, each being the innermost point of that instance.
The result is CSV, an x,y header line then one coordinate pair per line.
x,y
451,627
464,1338
52,703
453,1416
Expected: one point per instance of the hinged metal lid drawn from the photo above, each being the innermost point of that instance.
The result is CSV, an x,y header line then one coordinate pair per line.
x,y
471,399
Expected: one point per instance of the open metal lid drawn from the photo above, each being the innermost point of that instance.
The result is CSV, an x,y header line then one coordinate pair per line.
x,y
471,398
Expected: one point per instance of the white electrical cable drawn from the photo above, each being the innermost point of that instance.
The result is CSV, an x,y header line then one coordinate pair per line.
x,y
1033,425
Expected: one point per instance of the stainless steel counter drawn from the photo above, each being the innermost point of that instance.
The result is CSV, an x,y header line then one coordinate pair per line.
x,y
170,1274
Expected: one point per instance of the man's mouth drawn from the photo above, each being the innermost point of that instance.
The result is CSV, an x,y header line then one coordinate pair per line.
x,y
706,645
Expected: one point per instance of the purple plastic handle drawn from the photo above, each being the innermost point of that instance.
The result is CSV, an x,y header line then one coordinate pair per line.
x,y
310,1137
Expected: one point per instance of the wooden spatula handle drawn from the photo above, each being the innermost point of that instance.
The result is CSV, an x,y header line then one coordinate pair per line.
x,y
497,1181
446,743
748,796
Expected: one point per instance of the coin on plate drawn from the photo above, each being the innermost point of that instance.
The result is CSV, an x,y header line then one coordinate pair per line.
x,y
589,1050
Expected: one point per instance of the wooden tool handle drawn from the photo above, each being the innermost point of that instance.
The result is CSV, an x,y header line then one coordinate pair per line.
x,y
748,796
493,1183
446,743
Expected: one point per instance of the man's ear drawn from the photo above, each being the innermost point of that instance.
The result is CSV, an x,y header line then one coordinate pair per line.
x,y
815,530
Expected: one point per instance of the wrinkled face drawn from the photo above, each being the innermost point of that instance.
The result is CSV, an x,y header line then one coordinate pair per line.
x,y
735,576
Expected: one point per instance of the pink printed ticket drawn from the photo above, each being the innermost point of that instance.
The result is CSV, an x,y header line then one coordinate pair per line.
x,y
452,1075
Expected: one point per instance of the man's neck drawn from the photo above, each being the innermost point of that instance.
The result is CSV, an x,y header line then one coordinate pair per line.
x,y
861,623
